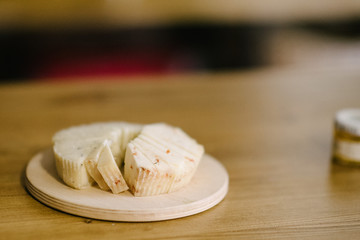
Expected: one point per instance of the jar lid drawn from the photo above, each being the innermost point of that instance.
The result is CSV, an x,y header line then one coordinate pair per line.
x,y
348,120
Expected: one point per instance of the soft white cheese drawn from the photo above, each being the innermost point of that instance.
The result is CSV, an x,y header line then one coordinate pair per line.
x,y
161,159
110,172
73,146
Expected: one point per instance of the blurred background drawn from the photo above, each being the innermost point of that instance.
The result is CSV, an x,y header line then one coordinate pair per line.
x,y
74,40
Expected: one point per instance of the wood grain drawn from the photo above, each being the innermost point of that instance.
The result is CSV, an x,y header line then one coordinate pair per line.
x,y
270,128
41,14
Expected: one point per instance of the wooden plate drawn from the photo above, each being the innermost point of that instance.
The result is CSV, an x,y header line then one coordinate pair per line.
x,y
207,188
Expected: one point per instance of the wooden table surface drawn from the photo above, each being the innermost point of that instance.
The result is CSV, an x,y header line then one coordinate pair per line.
x,y
271,129
50,15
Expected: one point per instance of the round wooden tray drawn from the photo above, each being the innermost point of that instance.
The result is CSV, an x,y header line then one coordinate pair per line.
x,y
207,188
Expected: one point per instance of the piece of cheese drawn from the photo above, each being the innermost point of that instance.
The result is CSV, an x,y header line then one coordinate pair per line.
x,y
161,159
76,149
110,172
91,164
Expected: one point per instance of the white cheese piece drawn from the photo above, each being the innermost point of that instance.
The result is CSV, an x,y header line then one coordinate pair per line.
x,y
161,159
181,161
73,146
91,164
110,171
145,171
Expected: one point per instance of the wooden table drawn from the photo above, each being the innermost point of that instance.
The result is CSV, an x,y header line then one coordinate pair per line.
x,y
271,129
50,15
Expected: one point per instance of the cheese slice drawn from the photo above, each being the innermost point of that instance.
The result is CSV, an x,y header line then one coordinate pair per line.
x,y
110,172
91,164
161,159
77,150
